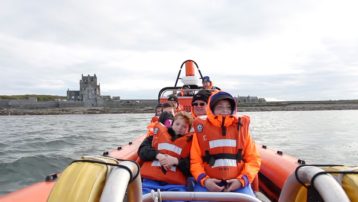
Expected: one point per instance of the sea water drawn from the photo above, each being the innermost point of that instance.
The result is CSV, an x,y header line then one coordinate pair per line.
x,y
32,147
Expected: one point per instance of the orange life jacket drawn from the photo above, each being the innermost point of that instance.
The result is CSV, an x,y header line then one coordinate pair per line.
x,y
154,119
222,147
150,128
179,148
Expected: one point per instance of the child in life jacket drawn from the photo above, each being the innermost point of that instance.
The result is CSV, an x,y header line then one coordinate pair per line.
x,y
158,112
223,156
166,155
166,108
173,99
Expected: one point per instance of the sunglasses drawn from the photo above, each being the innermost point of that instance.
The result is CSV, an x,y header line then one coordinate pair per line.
x,y
199,104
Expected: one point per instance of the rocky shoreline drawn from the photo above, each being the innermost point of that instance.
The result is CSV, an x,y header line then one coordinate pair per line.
x,y
301,106
145,108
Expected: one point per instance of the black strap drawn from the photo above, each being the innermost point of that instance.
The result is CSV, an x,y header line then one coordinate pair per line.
x,y
313,195
210,159
223,128
316,165
207,158
138,166
331,172
239,124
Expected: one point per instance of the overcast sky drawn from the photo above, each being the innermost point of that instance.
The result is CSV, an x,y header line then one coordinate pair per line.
x,y
279,50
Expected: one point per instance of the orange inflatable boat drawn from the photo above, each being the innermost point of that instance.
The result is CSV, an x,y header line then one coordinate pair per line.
x,y
114,175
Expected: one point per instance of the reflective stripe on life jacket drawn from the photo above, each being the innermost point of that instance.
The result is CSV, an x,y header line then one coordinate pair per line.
x,y
222,148
157,164
178,148
224,162
222,143
170,147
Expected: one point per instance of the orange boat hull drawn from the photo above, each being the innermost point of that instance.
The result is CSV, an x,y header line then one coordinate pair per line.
x,y
274,171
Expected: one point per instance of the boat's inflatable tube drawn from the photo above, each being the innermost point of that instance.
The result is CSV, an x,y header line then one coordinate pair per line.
x,y
35,193
326,185
117,182
198,196
127,152
275,169
347,177
82,181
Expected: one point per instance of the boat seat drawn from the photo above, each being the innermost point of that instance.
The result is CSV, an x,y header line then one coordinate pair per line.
x,y
190,182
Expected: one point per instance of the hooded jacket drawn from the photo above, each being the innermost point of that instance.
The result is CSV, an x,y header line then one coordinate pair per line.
x,y
222,146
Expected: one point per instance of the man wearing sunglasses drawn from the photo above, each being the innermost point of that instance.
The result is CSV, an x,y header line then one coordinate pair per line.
x,y
198,104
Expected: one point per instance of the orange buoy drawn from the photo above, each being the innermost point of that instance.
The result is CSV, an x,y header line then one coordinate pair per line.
x,y
189,68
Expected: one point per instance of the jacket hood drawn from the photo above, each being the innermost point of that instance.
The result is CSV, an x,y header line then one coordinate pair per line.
x,y
217,120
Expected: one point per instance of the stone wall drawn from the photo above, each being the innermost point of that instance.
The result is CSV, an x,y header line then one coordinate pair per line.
x,y
28,104
4,103
112,104
70,104
19,103
31,104
129,103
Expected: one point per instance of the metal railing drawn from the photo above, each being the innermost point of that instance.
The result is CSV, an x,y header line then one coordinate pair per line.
x,y
157,196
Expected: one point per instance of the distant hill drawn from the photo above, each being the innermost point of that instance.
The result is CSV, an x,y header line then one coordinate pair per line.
x,y
40,98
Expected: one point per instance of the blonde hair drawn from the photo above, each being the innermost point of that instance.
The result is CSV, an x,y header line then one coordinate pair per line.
x,y
186,116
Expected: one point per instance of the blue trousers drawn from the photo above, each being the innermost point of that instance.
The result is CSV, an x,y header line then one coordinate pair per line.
x,y
244,190
149,185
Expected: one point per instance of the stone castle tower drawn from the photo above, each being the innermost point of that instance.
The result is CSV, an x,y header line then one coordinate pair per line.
x,y
89,90
89,93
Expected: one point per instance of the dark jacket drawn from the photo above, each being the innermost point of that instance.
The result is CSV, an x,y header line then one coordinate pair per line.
x,y
147,153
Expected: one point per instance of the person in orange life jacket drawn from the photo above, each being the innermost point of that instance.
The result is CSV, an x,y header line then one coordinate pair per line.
x,y
174,101
166,118
155,118
223,156
185,91
208,85
198,103
168,107
166,155
158,111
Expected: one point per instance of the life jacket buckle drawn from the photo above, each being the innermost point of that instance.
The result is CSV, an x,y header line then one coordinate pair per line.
x,y
211,161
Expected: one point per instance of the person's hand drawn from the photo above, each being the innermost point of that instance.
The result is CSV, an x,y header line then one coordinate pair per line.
x,y
232,185
160,157
168,161
211,184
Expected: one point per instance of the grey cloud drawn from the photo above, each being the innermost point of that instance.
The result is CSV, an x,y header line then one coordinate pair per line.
x,y
319,85
46,40
140,25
